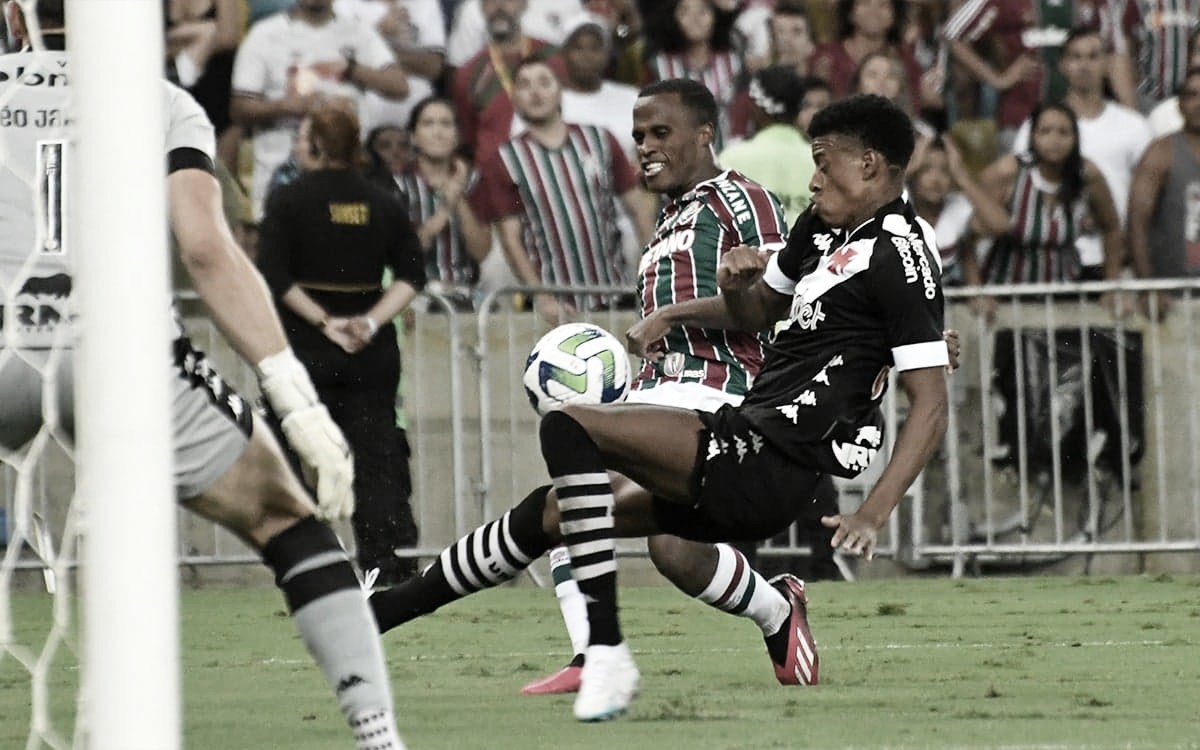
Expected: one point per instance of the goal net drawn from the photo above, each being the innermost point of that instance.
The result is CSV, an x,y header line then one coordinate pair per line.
x,y
88,584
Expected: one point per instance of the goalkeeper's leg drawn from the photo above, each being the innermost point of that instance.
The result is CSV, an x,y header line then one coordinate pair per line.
x,y
260,499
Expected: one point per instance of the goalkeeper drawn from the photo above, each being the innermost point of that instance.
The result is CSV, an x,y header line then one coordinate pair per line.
x,y
228,468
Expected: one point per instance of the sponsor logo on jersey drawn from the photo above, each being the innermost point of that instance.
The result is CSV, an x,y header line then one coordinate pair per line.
x,y
807,315
36,76
853,457
915,263
736,199
676,242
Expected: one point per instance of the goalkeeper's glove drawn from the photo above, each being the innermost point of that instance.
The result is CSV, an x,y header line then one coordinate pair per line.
x,y
324,455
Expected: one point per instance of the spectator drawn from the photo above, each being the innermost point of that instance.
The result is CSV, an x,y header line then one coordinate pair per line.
x,y
590,99
817,96
1164,205
293,63
470,31
564,235
389,150
1111,136
693,39
1166,118
482,88
1153,43
791,38
752,26
433,185
778,156
201,39
1046,196
415,30
944,194
866,27
1023,49
325,241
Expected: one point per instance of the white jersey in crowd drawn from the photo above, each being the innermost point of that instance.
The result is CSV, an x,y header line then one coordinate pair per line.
x,y
543,19
1114,141
35,161
276,56
611,107
427,27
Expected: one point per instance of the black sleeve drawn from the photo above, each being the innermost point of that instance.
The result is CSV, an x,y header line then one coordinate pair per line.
x,y
273,242
405,256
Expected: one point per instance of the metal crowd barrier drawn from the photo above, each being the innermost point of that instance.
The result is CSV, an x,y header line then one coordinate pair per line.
x,y
1074,435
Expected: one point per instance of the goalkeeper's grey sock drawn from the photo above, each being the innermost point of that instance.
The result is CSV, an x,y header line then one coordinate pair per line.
x,y
490,555
585,510
323,595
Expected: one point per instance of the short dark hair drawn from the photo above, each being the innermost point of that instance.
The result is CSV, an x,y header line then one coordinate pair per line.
x,y
1081,31
692,94
874,121
844,13
531,60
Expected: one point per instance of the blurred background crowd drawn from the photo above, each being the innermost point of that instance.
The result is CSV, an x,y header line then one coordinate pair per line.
x,y
1036,119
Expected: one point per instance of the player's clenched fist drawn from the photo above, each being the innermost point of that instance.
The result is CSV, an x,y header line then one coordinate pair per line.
x,y
741,267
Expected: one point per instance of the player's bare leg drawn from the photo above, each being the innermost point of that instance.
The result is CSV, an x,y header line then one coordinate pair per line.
x,y
261,501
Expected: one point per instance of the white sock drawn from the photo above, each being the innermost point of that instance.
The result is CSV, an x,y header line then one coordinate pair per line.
x,y
741,590
375,730
570,599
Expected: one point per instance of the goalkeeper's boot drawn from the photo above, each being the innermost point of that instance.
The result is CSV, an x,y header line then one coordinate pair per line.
x,y
608,683
565,680
800,666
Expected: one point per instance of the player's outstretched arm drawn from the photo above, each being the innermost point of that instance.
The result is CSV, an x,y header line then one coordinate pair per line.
x,y
919,438
240,305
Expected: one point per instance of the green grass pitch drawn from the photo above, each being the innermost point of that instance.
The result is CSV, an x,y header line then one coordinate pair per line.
x,y
1032,662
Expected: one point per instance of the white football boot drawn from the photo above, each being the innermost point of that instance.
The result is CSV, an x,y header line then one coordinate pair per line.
x,y
608,683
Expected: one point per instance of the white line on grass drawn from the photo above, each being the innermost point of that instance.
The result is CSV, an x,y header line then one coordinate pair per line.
x,y
835,647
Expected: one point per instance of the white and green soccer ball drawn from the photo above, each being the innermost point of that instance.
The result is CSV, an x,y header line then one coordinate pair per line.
x,y
576,363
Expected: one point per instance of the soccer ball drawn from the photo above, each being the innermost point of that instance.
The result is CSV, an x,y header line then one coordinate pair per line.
x,y
576,363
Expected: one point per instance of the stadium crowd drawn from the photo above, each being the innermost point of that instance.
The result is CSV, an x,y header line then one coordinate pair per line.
x,y
1011,200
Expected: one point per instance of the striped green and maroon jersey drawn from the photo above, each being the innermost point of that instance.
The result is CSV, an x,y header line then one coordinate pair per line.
x,y
1040,244
567,200
447,261
1160,29
680,263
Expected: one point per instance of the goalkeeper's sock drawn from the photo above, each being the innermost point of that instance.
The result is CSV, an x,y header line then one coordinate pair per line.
x,y
741,590
323,595
490,555
570,602
585,509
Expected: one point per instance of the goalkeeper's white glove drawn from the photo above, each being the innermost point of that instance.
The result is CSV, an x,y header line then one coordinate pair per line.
x,y
324,455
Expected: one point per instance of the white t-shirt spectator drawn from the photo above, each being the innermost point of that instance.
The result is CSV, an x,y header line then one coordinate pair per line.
x,y
543,19
277,54
428,25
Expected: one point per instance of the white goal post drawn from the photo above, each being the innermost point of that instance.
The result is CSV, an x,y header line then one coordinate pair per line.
x,y
131,676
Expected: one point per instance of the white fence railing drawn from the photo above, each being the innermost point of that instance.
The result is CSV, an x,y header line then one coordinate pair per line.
x,y
1073,433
